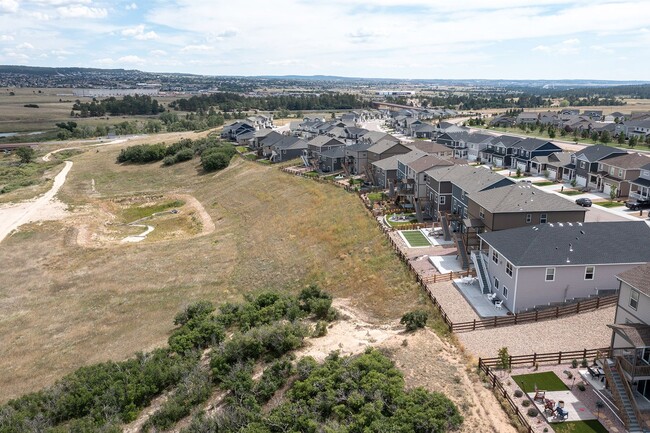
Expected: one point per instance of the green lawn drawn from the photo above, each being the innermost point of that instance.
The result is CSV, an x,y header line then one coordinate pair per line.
x,y
544,183
547,381
415,238
571,192
590,426
376,196
241,149
609,204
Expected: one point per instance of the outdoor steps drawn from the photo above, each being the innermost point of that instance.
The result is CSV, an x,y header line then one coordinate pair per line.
x,y
461,252
481,272
633,424
445,227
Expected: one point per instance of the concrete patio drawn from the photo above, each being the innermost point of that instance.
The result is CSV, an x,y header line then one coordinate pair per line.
x,y
477,300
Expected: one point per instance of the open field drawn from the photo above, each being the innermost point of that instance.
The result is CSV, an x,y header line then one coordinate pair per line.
x,y
62,305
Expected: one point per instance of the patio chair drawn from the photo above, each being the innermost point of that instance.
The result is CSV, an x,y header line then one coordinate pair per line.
x,y
491,296
498,305
540,395
593,371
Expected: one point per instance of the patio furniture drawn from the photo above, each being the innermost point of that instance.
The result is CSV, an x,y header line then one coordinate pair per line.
x,y
539,395
549,407
596,372
561,414
491,297
498,305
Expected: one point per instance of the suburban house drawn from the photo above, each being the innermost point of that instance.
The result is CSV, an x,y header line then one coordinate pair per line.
x,y
373,137
287,148
512,206
550,264
476,143
593,114
527,118
456,141
638,128
356,158
260,121
525,150
383,173
448,186
258,136
587,160
432,148
411,179
424,130
502,121
559,165
618,171
445,127
499,151
322,143
331,160
385,148
630,346
265,143
640,187
232,131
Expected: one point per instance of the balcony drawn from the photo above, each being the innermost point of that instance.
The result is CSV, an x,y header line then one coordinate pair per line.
x,y
632,363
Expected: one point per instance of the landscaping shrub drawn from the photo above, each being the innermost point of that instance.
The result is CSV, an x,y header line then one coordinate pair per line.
x,y
214,160
321,329
584,363
574,363
414,320
581,386
532,412
525,403
518,393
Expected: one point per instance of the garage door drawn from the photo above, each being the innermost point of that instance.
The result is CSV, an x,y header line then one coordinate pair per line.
x,y
552,174
581,180
521,166
607,189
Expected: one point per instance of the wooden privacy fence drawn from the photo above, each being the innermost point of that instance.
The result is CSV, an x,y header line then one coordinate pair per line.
x,y
545,358
537,315
498,388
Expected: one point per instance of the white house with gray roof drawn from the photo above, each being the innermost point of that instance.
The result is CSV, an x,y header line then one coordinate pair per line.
x,y
551,264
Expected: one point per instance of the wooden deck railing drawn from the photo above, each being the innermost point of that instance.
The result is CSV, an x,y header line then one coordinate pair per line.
x,y
630,394
546,358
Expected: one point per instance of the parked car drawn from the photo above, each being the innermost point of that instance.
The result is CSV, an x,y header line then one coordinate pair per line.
x,y
584,202
640,203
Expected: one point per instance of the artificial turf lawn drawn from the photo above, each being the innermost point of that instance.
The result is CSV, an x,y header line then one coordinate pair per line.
x,y
415,238
547,381
590,426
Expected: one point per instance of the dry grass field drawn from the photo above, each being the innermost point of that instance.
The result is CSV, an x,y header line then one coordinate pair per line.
x,y
63,305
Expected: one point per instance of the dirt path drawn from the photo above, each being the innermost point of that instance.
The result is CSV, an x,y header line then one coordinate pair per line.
x,y
44,207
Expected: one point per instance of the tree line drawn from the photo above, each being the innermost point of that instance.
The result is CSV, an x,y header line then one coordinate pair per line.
x,y
228,102
128,105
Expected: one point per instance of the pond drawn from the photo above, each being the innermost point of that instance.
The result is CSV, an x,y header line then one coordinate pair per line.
x,y
13,134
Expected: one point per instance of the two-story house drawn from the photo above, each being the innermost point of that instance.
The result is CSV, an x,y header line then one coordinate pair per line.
x,y
560,166
322,143
629,358
586,161
640,187
502,148
383,173
476,143
536,266
618,171
456,141
512,206
528,118
525,150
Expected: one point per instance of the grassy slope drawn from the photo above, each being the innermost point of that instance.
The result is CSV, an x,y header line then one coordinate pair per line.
x,y
62,306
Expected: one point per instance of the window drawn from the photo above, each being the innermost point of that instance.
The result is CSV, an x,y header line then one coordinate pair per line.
x,y
634,299
582,164
529,218
600,167
496,283
495,256
542,218
589,273
509,268
481,213
550,274
442,199
505,292
620,173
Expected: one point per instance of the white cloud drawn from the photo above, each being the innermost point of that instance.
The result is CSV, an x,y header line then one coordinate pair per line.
x,y
25,46
131,7
138,32
80,11
8,6
190,48
6,38
158,53
131,60
567,47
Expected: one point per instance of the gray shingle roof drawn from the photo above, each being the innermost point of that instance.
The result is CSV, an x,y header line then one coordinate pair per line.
x,y
628,161
522,198
598,152
337,152
324,140
506,140
531,144
382,146
637,277
573,243
426,162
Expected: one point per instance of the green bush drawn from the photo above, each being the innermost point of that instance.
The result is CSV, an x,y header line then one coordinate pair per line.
x,y
532,412
142,153
320,329
414,320
574,363
518,393
214,160
525,403
581,386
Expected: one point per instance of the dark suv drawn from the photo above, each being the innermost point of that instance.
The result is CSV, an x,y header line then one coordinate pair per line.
x,y
640,203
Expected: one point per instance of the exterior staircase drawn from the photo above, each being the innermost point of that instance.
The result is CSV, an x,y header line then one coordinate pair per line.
x,y
445,227
622,398
460,245
481,271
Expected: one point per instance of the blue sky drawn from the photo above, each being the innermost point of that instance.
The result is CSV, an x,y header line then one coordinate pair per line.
x,y
509,39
